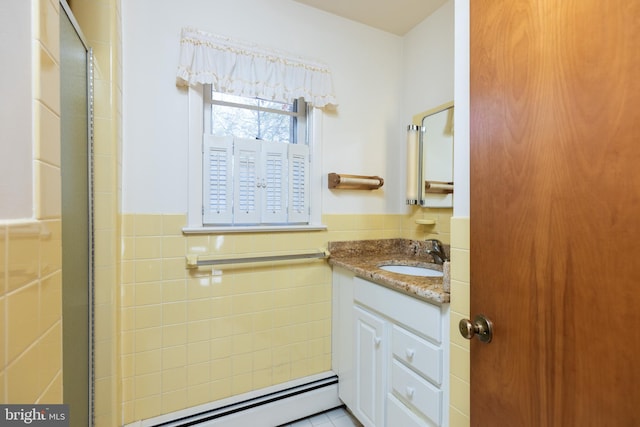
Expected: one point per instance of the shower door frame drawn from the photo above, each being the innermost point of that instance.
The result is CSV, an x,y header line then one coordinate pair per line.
x,y
90,212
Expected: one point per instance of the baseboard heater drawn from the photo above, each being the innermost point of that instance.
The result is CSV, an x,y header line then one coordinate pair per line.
x,y
271,408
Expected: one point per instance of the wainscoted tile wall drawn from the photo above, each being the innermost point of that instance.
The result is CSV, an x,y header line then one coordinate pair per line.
x,y
30,249
193,336
30,309
441,230
459,414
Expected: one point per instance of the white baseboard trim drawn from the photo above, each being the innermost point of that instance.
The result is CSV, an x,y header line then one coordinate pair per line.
x,y
268,407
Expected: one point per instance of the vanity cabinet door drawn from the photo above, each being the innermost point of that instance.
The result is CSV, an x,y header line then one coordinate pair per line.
x,y
370,349
342,359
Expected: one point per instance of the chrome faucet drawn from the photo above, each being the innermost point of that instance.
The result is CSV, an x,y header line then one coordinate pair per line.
x,y
437,251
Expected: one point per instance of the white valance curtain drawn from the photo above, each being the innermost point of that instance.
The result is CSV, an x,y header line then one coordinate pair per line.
x,y
246,69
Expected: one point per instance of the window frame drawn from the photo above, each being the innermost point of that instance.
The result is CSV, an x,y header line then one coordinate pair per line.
x,y
195,174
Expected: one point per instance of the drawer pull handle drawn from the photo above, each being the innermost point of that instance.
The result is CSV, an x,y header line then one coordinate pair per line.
x,y
376,341
410,392
410,353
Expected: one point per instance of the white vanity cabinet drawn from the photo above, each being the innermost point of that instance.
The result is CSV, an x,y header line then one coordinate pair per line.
x,y
370,357
342,333
391,353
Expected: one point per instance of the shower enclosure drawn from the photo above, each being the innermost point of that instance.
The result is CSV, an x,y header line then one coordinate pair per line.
x,y
77,231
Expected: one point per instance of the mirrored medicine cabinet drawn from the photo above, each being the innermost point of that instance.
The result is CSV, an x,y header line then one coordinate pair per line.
x,y
430,158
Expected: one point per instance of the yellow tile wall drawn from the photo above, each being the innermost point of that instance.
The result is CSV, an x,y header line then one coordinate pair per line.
x,y
459,411
30,249
441,230
192,337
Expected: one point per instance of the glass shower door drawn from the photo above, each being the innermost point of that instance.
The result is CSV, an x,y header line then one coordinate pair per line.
x,y
77,236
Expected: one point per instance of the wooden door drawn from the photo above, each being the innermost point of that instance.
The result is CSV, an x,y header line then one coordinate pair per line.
x,y
555,212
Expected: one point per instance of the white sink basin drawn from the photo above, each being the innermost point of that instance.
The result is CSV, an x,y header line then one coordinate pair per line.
x,y
411,270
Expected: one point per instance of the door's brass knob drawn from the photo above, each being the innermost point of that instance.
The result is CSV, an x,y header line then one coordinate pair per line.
x,y
467,329
481,327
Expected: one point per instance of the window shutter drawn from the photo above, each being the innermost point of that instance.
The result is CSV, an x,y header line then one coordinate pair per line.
x,y
274,182
246,161
298,183
217,180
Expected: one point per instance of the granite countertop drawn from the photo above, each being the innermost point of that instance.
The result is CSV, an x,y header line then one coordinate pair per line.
x,y
364,256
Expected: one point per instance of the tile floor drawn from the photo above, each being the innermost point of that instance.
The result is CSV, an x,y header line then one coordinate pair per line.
x,y
338,417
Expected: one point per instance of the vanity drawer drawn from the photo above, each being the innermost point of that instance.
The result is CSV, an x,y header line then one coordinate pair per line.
x,y
399,415
420,316
417,353
417,392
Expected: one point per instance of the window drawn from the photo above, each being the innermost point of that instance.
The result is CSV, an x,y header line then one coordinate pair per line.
x,y
254,118
244,68
255,163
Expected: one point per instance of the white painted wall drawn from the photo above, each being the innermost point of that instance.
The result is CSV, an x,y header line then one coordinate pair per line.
x,y
361,137
428,63
428,66
16,144
461,112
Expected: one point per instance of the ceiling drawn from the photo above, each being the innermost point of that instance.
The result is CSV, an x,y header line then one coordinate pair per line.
x,y
393,16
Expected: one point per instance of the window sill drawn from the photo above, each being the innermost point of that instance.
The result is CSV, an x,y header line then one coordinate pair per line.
x,y
253,229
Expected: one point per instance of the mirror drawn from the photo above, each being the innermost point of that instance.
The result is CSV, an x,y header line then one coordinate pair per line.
x,y
436,157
